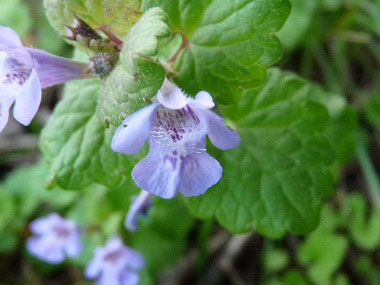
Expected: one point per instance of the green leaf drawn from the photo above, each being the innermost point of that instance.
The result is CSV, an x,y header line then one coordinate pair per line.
x,y
323,254
77,145
324,250
227,44
117,15
277,179
300,19
275,259
364,228
138,76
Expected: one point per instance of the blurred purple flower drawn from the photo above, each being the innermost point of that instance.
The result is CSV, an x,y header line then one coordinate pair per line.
x,y
54,238
139,206
176,127
24,71
115,264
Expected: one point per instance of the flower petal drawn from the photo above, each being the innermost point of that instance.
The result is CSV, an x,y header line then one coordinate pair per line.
x,y
202,100
11,44
158,173
220,135
28,100
135,259
94,267
171,97
9,37
44,224
5,104
53,70
73,246
138,207
129,278
199,172
130,136
46,249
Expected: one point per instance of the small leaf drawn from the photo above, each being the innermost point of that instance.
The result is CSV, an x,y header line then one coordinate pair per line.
x,y
117,15
277,179
77,145
227,44
365,231
138,76
323,254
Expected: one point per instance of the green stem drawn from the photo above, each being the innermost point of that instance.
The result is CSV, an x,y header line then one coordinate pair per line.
x,y
368,169
328,71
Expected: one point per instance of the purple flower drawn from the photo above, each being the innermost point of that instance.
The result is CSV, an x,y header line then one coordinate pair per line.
x,y
54,238
24,71
176,127
115,264
140,206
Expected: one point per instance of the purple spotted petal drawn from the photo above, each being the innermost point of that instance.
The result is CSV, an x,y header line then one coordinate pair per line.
x,y
171,97
53,70
220,135
165,172
138,207
202,100
130,136
158,173
28,100
199,171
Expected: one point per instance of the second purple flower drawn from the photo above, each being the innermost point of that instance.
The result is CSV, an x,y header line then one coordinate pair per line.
x,y
176,127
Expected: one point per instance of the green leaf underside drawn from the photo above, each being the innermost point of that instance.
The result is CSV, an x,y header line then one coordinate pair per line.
x,y
276,180
117,15
77,145
229,44
138,76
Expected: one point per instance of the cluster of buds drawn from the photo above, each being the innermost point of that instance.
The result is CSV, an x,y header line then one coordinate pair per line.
x,y
82,33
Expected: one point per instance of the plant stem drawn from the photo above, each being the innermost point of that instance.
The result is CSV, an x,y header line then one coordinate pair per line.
x,y
368,169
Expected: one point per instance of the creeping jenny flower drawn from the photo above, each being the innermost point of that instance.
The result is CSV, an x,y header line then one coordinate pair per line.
x,y
176,127
140,206
115,264
24,71
54,238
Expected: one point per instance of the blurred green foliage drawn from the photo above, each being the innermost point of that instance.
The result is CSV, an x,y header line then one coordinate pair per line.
x,y
333,41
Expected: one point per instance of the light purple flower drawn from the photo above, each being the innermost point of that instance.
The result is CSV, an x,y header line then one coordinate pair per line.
x,y
140,206
54,238
176,127
24,71
115,264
